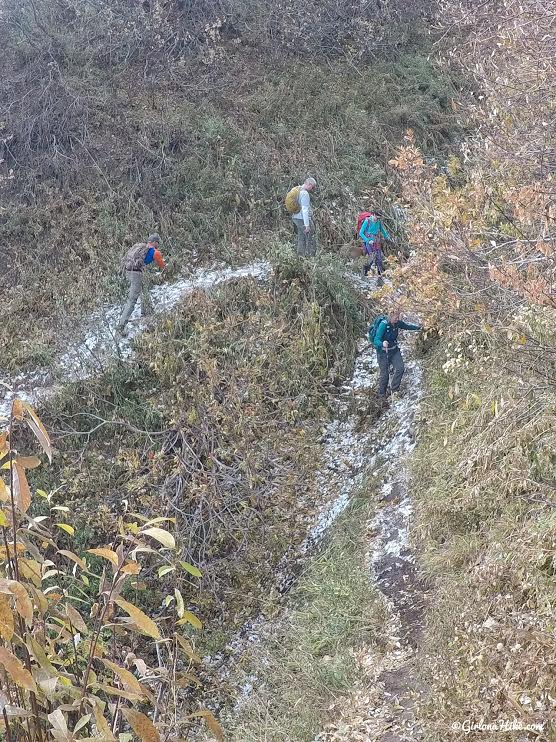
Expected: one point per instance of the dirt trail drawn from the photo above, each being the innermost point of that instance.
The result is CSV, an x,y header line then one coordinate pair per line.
x,y
95,345
355,448
383,707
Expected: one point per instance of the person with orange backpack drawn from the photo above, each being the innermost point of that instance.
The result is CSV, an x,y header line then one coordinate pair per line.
x,y
137,257
298,205
371,231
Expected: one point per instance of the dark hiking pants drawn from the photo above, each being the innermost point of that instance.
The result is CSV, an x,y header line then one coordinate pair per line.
x,y
375,258
385,360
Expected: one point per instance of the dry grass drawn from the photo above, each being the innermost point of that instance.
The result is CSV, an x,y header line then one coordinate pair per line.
x,y
216,423
308,661
485,489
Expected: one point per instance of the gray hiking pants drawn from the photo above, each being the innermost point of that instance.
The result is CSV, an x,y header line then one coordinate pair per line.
x,y
385,360
306,241
138,286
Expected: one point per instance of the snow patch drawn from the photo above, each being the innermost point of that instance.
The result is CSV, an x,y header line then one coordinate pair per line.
x,y
97,346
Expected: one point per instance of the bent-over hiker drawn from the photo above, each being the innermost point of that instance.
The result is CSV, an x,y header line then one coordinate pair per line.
x,y
371,232
298,204
384,336
137,257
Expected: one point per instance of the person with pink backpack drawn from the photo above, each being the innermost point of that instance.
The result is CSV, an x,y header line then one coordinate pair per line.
x,y
371,231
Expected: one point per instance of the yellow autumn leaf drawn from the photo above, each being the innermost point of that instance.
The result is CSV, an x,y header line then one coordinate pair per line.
x,y
211,723
23,603
74,558
108,554
160,535
119,692
22,493
187,648
131,568
153,521
17,409
29,462
31,570
102,724
6,619
76,619
145,624
3,520
189,617
17,672
66,527
38,430
180,607
128,679
141,725
39,654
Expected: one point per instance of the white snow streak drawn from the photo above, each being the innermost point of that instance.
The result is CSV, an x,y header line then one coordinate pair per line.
x,y
96,347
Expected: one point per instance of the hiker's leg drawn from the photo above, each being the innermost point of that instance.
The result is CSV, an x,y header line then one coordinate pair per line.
x,y
378,261
311,241
146,302
397,363
300,236
134,279
384,369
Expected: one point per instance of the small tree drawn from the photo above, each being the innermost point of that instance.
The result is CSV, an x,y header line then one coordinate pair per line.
x,y
74,652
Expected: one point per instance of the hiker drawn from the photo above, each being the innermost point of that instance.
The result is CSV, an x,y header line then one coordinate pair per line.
x,y
384,336
137,257
371,232
298,204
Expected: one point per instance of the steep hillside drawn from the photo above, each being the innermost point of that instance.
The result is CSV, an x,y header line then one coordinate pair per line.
x,y
485,472
194,119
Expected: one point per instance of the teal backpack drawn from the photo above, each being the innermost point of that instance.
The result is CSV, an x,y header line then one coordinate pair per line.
x,y
374,327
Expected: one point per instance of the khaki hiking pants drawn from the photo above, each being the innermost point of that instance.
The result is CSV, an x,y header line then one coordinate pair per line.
x,y
138,286
306,241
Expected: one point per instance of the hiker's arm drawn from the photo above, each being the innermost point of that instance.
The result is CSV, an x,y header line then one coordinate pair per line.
x,y
304,202
379,335
385,232
406,326
159,260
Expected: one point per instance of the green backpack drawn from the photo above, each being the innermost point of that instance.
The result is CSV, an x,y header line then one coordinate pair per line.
x,y
374,327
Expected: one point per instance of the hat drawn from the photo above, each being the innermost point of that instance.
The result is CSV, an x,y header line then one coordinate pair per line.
x,y
154,237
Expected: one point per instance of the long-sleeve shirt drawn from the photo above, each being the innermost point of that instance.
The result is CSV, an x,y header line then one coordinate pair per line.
x,y
370,229
153,253
304,212
386,331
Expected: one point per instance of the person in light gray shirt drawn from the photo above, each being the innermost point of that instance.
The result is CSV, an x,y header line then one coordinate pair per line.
x,y
303,220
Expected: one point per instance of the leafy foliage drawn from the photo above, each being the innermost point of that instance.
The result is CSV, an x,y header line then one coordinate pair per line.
x,y
74,662
240,381
482,226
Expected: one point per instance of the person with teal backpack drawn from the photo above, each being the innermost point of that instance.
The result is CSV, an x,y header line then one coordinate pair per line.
x,y
383,334
371,231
